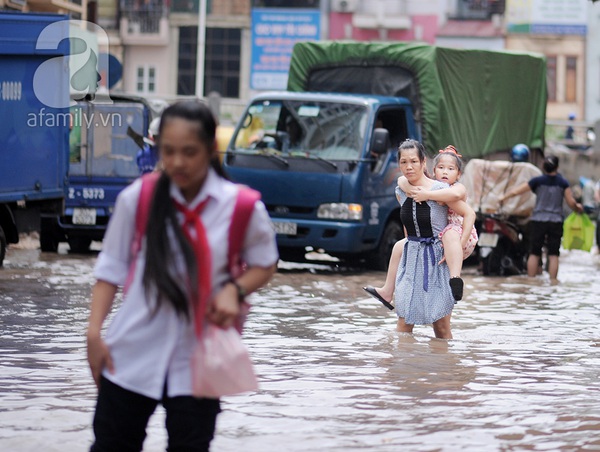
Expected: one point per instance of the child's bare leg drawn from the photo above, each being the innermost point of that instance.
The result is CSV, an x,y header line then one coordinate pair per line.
x,y
387,290
454,258
453,252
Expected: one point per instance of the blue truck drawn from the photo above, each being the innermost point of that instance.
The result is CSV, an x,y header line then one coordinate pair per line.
x,y
34,136
105,139
64,157
338,196
323,153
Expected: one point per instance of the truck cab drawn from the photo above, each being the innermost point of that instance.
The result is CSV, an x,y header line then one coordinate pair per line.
x,y
326,166
102,161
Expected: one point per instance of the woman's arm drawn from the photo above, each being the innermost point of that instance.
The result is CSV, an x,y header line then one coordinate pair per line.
x,y
453,193
571,201
522,188
225,307
468,214
98,354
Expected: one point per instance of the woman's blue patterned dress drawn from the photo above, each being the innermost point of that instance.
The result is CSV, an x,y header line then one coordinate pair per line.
x,y
422,294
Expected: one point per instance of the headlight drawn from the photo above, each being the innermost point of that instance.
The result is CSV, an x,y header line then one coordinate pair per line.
x,y
340,211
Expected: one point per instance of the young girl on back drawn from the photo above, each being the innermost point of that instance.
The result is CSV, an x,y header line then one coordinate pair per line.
x,y
458,238
180,273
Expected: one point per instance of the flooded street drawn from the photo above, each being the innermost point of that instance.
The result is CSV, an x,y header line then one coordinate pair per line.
x,y
522,372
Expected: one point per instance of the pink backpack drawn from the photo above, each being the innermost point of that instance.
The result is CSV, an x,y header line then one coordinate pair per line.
x,y
244,206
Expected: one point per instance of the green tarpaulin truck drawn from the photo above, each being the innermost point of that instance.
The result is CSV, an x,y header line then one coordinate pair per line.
x,y
323,153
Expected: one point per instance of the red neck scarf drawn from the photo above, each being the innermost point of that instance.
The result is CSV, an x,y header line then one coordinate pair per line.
x,y
201,248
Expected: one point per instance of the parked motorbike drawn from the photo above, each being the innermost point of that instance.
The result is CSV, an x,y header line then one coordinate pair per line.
x,y
502,247
503,240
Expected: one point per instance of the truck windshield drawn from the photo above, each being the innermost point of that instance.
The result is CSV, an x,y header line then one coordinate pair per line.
x,y
320,130
99,144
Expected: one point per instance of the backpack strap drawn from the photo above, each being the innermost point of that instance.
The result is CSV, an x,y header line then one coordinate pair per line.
x,y
242,211
141,219
244,206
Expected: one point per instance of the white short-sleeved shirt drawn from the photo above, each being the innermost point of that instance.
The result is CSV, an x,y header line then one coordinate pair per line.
x,y
148,349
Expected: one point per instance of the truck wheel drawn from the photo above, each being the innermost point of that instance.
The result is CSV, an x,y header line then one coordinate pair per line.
x,y
79,244
48,237
380,259
2,246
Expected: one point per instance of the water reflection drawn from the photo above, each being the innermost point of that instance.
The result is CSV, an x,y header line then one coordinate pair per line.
x,y
521,373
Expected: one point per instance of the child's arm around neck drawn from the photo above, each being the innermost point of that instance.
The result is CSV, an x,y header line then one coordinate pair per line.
x,y
455,192
412,190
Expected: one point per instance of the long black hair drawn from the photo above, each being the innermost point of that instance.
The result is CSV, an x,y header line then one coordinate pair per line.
x,y
161,259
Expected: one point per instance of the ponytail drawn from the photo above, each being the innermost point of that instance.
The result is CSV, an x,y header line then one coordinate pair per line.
x,y
550,164
158,280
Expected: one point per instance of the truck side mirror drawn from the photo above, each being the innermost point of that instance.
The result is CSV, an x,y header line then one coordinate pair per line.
x,y
380,143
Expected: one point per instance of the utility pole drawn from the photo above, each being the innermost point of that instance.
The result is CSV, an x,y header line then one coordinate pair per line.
x,y
201,49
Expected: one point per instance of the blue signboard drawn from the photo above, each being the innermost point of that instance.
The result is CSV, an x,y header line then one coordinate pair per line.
x,y
274,33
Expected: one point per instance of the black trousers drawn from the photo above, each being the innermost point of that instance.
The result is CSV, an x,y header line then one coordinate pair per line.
x,y
122,416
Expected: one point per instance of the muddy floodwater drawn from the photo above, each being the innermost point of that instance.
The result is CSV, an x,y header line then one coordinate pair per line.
x,y
522,373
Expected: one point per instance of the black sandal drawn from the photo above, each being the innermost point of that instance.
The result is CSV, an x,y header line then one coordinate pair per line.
x,y
373,292
456,286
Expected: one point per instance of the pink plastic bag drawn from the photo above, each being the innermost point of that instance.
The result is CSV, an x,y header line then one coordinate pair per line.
x,y
221,364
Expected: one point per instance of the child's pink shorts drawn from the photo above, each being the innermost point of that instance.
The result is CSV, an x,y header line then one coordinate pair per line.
x,y
470,246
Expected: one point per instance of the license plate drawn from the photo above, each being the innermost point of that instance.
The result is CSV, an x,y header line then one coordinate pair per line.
x,y
487,239
285,227
84,216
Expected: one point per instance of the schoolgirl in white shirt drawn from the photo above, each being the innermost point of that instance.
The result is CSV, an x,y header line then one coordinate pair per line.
x,y
145,357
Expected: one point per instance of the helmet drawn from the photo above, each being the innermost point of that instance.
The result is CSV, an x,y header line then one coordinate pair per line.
x,y
519,153
154,126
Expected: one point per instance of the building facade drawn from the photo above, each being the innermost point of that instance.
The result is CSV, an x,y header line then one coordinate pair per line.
x,y
77,9
559,31
156,41
592,78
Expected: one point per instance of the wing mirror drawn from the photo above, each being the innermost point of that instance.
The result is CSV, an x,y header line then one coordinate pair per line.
x,y
380,142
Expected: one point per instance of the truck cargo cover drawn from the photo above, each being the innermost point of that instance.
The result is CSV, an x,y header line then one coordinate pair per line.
x,y
481,101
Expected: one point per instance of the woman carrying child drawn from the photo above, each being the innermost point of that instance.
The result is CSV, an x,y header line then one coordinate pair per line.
x,y
145,356
459,237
